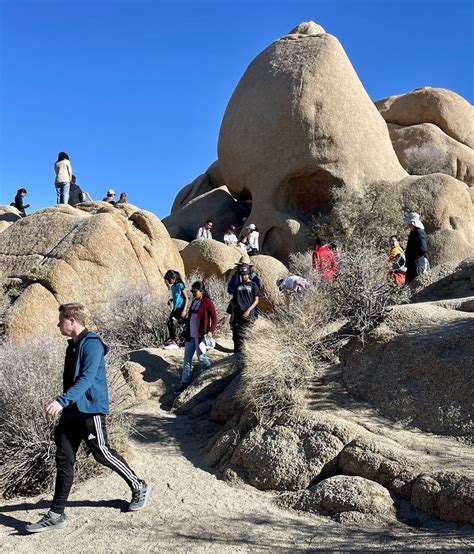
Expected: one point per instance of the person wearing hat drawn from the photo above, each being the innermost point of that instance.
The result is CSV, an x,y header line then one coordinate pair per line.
x,y
244,303
110,198
416,249
252,237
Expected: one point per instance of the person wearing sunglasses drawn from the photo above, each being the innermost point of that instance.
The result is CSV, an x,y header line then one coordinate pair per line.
x,y
202,318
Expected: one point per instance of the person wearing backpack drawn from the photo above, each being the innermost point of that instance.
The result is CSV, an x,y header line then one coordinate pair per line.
x,y
179,301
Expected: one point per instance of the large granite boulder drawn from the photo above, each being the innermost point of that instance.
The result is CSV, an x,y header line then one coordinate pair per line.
x,y
344,494
269,270
211,179
89,255
216,204
210,257
299,124
416,367
447,212
444,108
424,148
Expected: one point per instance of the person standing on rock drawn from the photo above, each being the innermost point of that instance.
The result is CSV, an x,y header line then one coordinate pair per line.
x,y
244,302
253,236
417,248
201,326
324,261
63,171
204,232
83,407
179,301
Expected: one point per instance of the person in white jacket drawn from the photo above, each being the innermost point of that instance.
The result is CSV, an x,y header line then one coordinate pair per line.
x,y
62,182
253,240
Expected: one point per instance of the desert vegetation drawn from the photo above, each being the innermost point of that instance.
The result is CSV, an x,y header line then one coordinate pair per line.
x,y
286,349
361,217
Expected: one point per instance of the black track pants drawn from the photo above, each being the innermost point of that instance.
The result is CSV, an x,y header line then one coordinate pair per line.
x,y
68,436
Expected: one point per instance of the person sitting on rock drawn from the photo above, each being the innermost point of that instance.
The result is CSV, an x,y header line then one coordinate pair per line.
x,y
396,260
417,248
75,193
324,261
179,301
110,197
18,203
243,306
243,244
204,232
122,198
202,323
252,237
292,283
230,238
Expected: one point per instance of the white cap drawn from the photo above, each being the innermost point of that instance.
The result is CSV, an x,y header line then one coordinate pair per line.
x,y
252,227
413,219
110,192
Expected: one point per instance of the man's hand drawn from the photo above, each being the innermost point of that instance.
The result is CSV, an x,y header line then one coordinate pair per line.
x,y
54,408
246,314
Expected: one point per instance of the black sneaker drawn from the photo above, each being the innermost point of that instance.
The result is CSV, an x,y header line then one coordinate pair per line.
x,y
47,523
181,388
139,497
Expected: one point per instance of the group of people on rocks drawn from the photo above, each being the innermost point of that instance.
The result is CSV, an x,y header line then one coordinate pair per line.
x,y
248,242
197,315
67,189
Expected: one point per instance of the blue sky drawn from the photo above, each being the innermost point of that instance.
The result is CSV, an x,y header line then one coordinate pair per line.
x,y
135,91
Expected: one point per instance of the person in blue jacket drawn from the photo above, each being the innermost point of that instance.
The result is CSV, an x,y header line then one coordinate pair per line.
x,y
83,407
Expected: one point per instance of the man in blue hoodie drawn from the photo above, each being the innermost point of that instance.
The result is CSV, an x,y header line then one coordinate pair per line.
x,y
83,408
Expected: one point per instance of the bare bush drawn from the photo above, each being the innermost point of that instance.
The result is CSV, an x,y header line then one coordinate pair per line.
x,y
30,377
284,352
357,217
301,263
135,319
363,294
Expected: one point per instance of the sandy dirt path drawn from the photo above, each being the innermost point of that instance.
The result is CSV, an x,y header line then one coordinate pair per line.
x,y
191,510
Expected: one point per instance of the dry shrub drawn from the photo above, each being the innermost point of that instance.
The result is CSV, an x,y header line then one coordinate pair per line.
x,y
362,294
357,217
30,378
284,352
136,319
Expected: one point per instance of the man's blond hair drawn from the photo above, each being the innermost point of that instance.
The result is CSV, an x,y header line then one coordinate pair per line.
x,y
75,310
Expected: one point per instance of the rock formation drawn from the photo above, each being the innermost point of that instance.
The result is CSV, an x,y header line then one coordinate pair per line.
x,y
87,255
298,124
8,215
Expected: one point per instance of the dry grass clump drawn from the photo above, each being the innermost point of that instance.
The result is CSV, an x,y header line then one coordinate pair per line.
x,y
137,318
30,378
284,352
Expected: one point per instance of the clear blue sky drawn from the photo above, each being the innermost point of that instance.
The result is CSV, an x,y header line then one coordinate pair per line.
x,y
135,91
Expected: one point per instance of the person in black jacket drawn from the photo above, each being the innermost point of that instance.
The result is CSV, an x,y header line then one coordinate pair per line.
x,y
75,192
416,249
20,194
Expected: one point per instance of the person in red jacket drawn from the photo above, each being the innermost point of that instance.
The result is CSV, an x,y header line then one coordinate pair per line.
x,y
202,323
325,262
